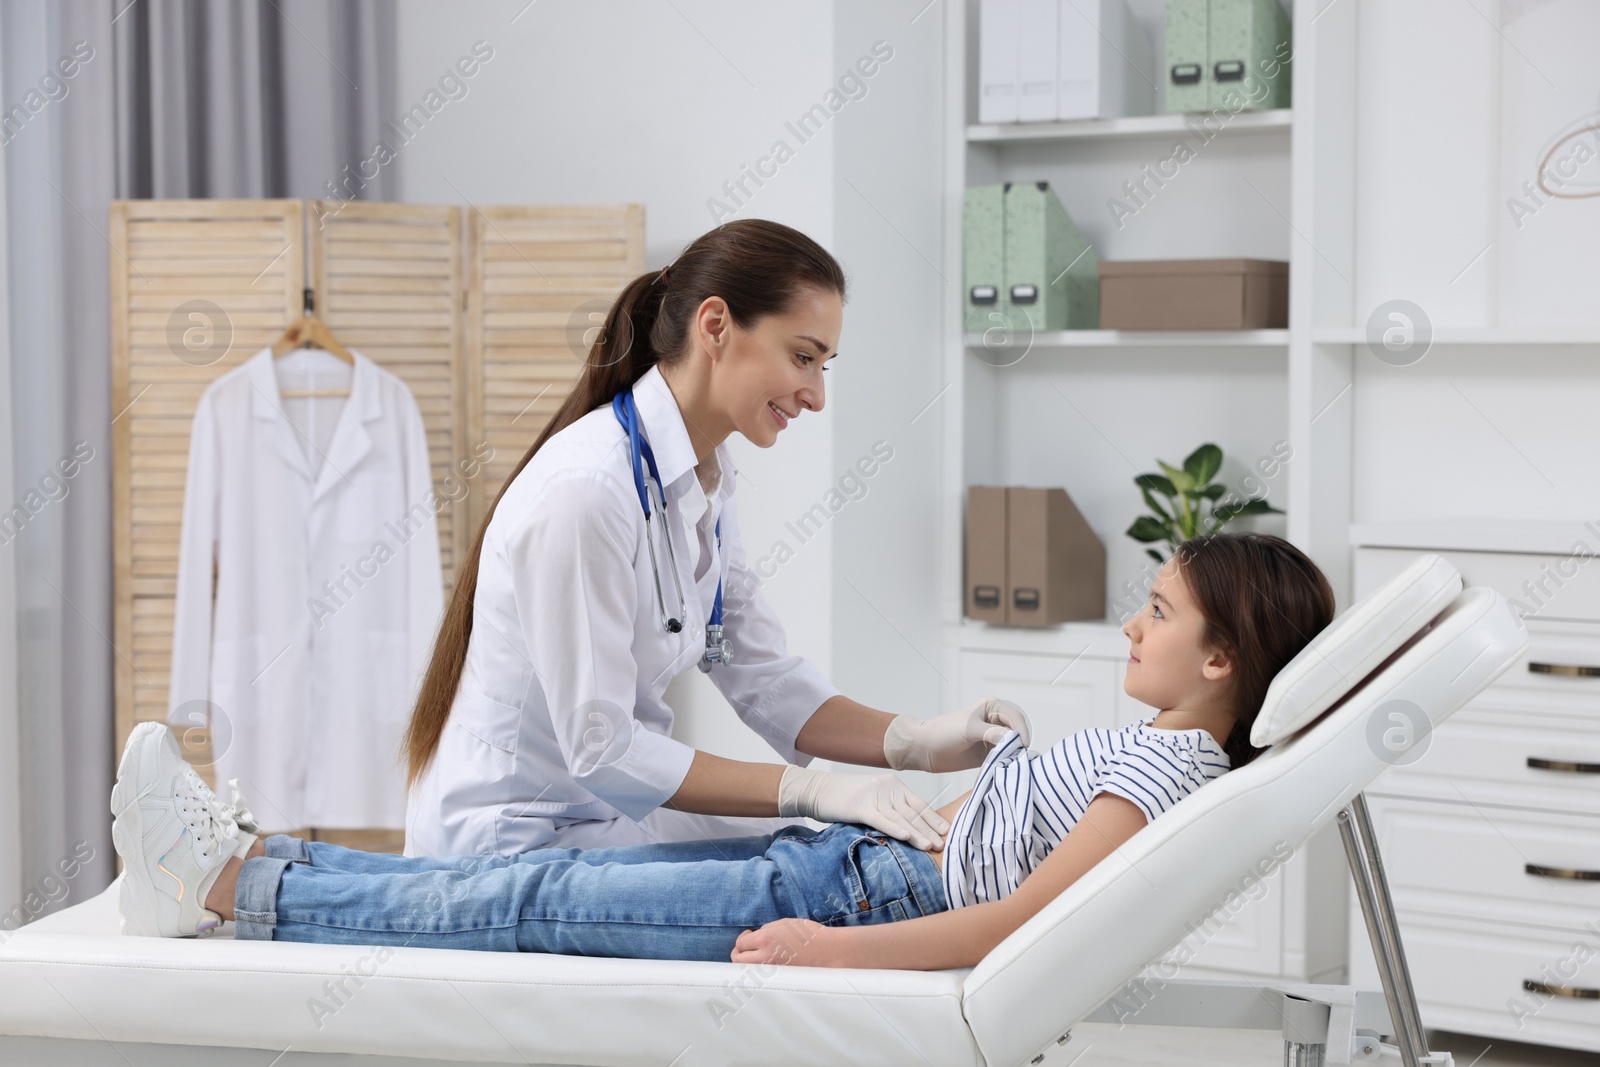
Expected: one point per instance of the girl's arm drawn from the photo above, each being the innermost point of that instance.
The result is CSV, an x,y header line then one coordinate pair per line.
x,y
956,938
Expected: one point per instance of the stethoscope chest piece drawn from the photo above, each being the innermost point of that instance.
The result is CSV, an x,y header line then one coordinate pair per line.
x,y
717,649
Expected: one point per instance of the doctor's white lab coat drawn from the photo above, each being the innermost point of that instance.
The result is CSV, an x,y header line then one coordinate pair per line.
x,y
327,595
559,735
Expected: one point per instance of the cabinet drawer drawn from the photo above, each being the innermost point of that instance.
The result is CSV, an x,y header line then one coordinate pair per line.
x,y
1545,586
1469,978
1481,754
1535,709
1472,860
1562,662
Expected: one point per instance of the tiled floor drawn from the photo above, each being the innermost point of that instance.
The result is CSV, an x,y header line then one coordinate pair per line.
x,y
1104,1045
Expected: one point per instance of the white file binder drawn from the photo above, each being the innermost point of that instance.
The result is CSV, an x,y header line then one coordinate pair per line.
x,y
1106,66
1037,61
999,45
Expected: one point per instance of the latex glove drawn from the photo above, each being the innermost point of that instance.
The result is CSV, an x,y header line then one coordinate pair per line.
x,y
880,801
955,741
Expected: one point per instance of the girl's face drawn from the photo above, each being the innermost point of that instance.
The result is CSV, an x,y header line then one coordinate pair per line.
x,y
1167,665
776,365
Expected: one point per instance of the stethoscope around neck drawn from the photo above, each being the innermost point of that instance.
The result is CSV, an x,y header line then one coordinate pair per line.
x,y
717,649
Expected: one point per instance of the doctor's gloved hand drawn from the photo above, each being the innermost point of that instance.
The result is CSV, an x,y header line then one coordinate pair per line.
x,y
880,801
955,741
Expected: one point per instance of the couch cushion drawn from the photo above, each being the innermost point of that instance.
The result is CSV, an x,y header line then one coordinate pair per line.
x,y
1352,645
58,974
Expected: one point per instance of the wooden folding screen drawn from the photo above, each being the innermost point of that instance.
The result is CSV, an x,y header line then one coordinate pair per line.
x,y
477,309
539,282
197,287
388,282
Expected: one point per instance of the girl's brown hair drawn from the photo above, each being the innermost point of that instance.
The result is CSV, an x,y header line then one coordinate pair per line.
x,y
758,267
1263,601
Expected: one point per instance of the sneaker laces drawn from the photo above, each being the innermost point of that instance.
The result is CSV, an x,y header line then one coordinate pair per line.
x,y
234,811
204,821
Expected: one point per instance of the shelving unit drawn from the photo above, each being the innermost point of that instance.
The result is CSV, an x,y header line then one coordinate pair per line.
x,y
1235,202
1090,409
1390,183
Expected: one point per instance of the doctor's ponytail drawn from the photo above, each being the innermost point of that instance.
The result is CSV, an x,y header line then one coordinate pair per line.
x,y
758,267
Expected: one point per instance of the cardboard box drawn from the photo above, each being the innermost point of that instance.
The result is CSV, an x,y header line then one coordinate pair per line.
x,y
1032,559
1194,294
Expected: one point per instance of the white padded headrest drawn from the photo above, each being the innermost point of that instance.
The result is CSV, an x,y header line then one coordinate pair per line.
x,y
1353,645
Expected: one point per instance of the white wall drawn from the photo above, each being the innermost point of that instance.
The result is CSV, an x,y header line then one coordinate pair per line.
x,y
889,211
619,101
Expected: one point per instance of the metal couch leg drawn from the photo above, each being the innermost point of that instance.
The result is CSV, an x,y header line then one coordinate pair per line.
x,y
1301,1054
1304,1022
1377,907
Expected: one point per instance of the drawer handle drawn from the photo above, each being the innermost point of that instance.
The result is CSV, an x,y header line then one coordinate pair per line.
x,y
1563,765
1560,990
1570,670
1562,872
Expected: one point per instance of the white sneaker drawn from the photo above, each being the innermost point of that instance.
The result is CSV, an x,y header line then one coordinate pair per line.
x,y
173,839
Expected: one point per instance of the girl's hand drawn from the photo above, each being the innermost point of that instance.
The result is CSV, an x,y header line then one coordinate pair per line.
x,y
793,941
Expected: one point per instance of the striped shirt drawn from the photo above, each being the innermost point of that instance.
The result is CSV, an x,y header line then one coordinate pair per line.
x,y
1024,802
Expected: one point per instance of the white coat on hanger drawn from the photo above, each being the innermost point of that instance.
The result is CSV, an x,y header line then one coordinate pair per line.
x,y
327,594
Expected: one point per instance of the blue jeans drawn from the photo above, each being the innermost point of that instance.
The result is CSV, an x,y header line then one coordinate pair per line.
x,y
686,900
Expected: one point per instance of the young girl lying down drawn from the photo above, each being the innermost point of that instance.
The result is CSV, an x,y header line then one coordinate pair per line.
x,y
1225,614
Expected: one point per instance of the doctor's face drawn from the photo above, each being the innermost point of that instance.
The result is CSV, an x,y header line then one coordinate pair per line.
x,y
1168,665
773,372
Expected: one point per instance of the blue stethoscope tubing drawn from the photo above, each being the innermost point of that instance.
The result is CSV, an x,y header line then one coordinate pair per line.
x,y
717,649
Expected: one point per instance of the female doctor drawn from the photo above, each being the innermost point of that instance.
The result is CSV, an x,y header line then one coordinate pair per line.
x,y
611,561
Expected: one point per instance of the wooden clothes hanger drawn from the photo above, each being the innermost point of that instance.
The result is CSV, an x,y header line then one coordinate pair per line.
x,y
308,331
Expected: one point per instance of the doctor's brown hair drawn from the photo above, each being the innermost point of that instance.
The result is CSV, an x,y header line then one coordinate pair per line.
x,y
758,267
1263,601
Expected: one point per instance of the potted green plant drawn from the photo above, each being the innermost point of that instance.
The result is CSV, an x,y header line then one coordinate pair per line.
x,y
1190,492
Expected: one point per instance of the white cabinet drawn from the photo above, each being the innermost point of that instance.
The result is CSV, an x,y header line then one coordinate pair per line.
x,y
1491,839
1061,694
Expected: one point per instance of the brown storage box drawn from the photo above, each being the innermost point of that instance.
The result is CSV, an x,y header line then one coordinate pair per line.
x,y
1032,559
1194,294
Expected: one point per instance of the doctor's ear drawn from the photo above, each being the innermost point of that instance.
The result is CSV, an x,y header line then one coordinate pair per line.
x,y
713,324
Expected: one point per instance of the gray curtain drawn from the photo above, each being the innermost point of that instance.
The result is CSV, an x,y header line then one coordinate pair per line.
x,y
166,99
259,98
